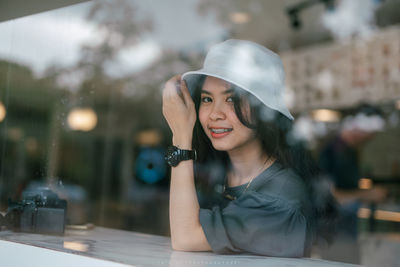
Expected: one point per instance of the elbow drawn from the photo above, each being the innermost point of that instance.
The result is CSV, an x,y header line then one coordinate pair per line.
x,y
194,240
180,245
177,247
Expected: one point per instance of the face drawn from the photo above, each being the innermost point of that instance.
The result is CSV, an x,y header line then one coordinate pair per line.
x,y
218,118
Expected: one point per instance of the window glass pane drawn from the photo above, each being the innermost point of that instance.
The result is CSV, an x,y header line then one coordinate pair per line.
x,y
81,105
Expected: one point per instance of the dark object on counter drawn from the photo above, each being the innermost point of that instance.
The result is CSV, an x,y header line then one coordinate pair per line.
x,y
40,211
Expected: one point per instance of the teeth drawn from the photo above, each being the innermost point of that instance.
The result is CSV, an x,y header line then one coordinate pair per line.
x,y
220,130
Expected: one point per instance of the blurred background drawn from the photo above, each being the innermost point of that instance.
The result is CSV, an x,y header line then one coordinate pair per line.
x,y
80,103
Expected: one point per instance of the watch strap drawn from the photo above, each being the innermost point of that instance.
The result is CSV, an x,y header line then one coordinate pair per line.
x,y
188,154
175,155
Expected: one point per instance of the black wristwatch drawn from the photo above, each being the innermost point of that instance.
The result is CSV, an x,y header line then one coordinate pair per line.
x,y
174,155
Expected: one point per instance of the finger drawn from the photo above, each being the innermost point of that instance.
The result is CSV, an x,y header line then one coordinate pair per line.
x,y
170,90
172,101
185,92
178,86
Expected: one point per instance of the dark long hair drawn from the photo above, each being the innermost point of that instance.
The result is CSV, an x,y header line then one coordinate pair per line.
x,y
274,130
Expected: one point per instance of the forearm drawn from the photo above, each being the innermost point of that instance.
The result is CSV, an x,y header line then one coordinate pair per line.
x,y
186,231
183,203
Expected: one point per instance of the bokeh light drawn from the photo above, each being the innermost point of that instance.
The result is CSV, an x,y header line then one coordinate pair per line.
x,y
2,112
325,115
82,119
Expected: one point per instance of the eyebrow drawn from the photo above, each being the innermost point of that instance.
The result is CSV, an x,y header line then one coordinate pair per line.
x,y
228,91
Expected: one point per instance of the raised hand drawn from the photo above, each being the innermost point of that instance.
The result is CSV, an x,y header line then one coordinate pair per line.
x,y
179,111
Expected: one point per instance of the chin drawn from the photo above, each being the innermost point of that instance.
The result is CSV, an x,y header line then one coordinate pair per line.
x,y
221,146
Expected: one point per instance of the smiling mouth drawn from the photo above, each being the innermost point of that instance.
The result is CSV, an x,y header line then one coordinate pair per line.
x,y
219,131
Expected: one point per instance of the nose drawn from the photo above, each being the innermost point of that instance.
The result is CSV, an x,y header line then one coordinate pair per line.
x,y
217,112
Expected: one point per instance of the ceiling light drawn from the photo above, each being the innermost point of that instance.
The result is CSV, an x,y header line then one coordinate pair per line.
x,y
82,119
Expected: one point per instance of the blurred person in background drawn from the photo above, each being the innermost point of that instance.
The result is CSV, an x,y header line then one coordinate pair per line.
x,y
339,159
231,114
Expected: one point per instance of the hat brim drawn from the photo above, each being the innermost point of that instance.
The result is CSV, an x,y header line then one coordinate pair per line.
x,y
192,79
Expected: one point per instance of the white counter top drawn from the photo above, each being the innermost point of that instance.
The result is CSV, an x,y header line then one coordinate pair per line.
x,y
108,247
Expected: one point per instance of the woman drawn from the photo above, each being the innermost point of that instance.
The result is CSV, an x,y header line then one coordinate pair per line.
x,y
231,114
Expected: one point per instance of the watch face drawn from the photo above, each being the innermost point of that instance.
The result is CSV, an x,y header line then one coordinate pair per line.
x,y
172,156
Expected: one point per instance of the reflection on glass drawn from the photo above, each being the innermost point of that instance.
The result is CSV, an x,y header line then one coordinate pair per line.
x,y
239,17
149,138
77,246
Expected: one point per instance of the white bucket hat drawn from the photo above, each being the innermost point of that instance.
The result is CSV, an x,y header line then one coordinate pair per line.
x,y
249,66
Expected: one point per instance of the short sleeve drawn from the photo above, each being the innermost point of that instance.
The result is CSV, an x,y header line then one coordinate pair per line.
x,y
256,223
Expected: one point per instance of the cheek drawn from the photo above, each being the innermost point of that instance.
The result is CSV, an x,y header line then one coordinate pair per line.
x,y
250,133
244,132
234,119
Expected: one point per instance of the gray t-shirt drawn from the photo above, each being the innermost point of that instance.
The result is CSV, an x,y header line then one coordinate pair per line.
x,y
272,217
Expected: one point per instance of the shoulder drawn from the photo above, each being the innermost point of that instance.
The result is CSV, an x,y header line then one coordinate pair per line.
x,y
285,184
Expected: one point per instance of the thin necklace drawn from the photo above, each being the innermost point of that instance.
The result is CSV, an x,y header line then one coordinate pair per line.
x,y
230,197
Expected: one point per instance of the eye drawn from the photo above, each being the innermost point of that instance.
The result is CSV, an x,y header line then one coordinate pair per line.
x,y
229,99
205,99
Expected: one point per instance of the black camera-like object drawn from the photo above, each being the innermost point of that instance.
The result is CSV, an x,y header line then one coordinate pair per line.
x,y
40,211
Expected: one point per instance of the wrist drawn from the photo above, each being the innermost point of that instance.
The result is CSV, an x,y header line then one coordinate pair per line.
x,y
182,143
174,155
